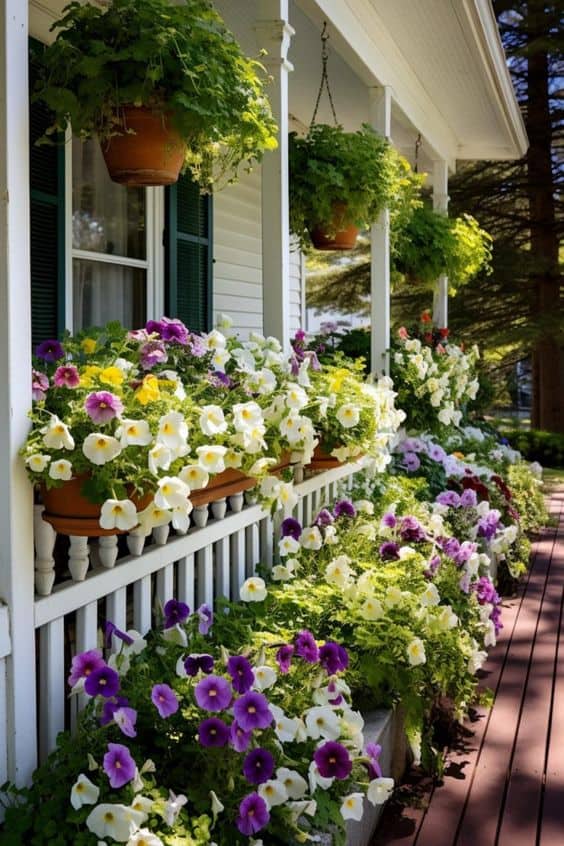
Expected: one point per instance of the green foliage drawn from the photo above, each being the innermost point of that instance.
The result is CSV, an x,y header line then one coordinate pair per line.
x,y
178,60
359,172
430,244
544,447
527,497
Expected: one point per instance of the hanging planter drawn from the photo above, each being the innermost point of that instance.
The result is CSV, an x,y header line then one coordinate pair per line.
x,y
341,238
149,152
163,86
70,513
323,460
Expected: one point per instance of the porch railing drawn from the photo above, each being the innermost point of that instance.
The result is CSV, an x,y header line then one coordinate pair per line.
x,y
210,561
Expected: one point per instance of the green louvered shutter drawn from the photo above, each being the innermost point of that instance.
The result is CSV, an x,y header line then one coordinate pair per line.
x,y
47,224
189,265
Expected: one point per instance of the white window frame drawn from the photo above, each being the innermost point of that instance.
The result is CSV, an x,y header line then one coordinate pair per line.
x,y
153,264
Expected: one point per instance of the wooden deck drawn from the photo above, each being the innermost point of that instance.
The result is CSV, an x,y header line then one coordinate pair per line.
x,y
504,779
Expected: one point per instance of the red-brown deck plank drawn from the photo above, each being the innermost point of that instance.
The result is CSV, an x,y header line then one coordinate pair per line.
x,y
504,784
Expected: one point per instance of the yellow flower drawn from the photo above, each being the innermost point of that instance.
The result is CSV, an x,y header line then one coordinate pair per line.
x,y
459,455
88,345
88,375
337,379
149,390
112,376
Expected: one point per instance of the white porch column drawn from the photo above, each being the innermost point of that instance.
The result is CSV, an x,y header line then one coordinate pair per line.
x,y
440,205
16,506
274,35
381,121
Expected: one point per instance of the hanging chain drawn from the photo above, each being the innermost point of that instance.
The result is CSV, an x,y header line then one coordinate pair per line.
x,y
324,78
418,143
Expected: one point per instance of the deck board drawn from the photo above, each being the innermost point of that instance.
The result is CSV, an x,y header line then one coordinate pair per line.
x,y
504,780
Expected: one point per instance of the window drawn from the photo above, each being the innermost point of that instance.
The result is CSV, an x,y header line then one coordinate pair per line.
x,y
110,261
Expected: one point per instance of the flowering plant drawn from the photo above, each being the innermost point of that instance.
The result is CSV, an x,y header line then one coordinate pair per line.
x,y
177,742
434,383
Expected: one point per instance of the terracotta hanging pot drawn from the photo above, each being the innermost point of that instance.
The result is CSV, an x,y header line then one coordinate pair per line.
x,y
70,513
341,239
323,460
151,152
227,483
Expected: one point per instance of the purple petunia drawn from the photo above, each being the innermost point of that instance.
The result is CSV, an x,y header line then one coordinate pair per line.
x,y
412,530
220,380
213,732
284,657
238,738
253,815
151,354
465,552
333,760
169,329
241,673
449,498
469,498
205,614
389,551
451,547
373,752
290,528
102,682
110,630
175,612
164,699
306,647
258,766
488,525
110,707
333,657
485,591
126,718
324,518
103,406
411,462
213,693
39,385
344,508
436,453
389,520
119,766
84,664
66,376
193,664
252,711
50,351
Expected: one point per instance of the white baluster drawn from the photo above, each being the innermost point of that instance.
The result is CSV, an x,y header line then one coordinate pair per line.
x,y
251,497
108,551
136,542
236,502
298,473
200,516
44,537
160,534
219,508
78,557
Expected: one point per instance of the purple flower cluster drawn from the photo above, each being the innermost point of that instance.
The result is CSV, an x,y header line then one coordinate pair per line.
x,y
487,594
411,530
488,524
39,385
411,462
467,499
50,351
291,528
333,760
152,353
169,329
103,406
389,551
344,508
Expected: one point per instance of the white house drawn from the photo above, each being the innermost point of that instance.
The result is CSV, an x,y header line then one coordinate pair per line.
x,y
75,249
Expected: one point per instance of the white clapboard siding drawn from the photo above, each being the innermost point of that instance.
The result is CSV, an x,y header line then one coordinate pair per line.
x,y
237,284
297,292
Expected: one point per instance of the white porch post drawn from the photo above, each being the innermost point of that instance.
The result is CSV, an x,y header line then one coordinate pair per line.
x,y
440,205
16,511
381,121
274,35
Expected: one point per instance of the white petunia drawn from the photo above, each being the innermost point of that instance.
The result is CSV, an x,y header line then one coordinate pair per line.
x,y
224,321
144,837
173,430
285,728
152,517
296,397
371,609
295,784
476,660
210,458
56,435
61,469
379,790
246,415
37,462
217,806
172,493
172,808
194,476
288,546
416,652
317,780
143,804
322,721
447,619
273,792
99,448
214,340
212,420
348,415
118,514
282,573
291,427
134,433
265,677
352,807
393,596
83,792
160,458
253,590
311,538
181,517
220,359
338,571
430,596
116,821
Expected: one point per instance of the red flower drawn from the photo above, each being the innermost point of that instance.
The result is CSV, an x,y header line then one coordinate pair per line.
x,y
426,316
428,337
403,333
444,332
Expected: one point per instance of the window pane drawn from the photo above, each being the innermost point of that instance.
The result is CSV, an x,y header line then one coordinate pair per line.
x,y
104,292
106,217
